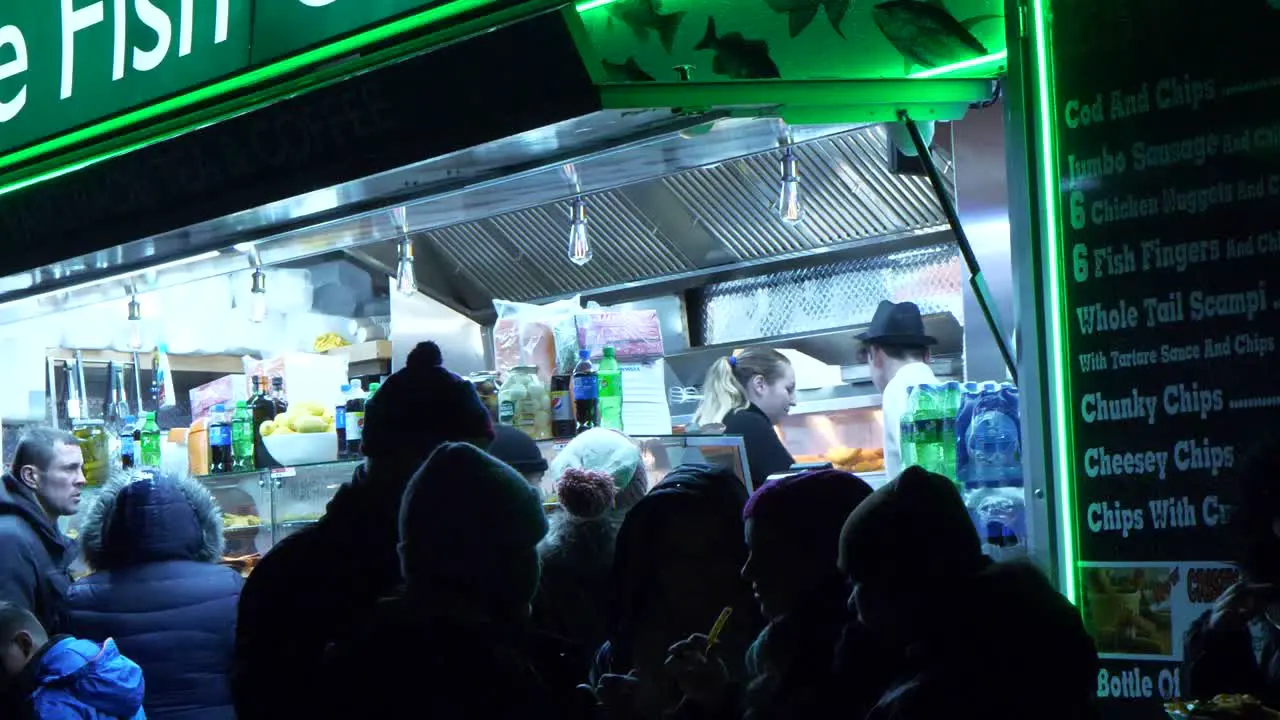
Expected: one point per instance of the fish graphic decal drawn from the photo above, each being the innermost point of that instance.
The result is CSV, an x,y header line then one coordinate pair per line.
x,y
629,71
802,12
736,56
926,34
643,17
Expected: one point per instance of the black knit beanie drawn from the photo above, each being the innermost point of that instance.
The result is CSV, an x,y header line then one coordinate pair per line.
x,y
913,533
470,524
422,405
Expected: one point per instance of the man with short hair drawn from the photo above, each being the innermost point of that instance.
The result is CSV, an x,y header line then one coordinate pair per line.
x,y
897,350
44,483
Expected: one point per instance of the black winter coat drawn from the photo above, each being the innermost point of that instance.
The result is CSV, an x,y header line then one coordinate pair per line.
x,y
312,590
1053,678
35,556
1225,661
409,662
158,592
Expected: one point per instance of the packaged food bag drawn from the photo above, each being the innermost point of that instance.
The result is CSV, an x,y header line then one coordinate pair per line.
x,y
541,335
633,334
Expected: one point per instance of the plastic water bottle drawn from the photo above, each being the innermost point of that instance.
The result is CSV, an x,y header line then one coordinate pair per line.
x,y
999,515
610,390
990,451
907,431
928,433
586,393
951,398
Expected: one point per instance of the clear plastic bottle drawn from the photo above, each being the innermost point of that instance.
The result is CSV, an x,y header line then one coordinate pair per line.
x,y
340,422
128,448
221,457
586,393
907,431
951,399
610,390
149,441
928,432
355,419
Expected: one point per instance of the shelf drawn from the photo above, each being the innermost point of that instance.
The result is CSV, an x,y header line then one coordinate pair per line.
x,y
374,350
224,364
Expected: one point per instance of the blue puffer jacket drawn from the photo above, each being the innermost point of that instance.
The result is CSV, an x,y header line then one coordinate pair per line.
x,y
73,678
156,590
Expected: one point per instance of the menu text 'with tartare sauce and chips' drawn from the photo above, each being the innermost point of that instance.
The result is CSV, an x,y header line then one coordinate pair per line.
x,y
1168,168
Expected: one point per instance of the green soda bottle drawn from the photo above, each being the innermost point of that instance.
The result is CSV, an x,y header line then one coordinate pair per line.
x,y
150,441
610,390
242,438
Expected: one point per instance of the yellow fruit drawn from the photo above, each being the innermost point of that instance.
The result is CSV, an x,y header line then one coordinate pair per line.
x,y
284,420
283,430
308,408
266,428
310,425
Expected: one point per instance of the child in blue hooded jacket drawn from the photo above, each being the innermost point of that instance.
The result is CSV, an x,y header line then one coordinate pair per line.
x,y
64,677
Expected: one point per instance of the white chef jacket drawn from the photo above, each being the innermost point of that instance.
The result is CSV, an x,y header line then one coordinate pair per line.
x,y
894,404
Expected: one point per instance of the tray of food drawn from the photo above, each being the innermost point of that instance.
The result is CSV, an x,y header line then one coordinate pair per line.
x,y
1245,707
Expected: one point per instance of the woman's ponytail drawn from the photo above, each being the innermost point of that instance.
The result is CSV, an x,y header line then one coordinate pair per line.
x,y
721,393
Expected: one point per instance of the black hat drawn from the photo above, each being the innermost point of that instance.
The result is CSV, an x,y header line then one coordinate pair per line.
x,y
897,324
517,449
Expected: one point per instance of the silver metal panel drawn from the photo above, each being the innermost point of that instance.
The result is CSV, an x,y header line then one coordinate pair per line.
x,y
605,150
818,298
626,247
415,318
848,189
982,201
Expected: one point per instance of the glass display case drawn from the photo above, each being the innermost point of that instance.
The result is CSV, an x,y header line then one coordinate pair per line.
x,y
262,507
662,453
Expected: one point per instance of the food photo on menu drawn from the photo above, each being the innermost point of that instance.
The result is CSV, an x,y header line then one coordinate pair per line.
x,y
1129,610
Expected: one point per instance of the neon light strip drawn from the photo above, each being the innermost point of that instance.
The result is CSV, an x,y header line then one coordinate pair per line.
x,y
995,58
1057,337
593,4
257,76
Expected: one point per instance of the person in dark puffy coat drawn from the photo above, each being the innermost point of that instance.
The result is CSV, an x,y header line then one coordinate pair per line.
x,y
312,588
577,558
156,589
455,643
920,582
676,567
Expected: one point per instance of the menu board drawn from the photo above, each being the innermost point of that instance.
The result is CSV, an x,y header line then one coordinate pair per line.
x,y
1167,116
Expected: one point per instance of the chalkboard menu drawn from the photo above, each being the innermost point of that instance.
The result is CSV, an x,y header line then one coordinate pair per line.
x,y
1167,116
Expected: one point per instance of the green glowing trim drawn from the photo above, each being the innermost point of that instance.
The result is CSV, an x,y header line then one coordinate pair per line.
x,y
1059,383
593,4
238,83
995,58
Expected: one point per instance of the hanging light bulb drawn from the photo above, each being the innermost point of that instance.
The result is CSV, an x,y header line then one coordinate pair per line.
x,y
135,323
579,244
258,297
406,283
789,209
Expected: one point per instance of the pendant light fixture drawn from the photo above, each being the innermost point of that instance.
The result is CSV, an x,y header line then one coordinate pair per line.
x,y
135,322
790,210
579,243
406,283
258,297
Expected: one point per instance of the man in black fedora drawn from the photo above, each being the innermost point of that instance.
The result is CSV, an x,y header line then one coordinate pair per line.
x,y
897,350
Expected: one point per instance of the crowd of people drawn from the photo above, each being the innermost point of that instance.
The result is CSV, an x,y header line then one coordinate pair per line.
x,y
437,585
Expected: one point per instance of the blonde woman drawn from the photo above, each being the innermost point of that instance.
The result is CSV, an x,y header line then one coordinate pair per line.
x,y
747,393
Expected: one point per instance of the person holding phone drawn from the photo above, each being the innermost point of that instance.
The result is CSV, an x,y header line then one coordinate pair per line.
x,y
1235,646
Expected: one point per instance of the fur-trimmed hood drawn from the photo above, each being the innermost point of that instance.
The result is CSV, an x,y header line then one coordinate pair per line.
x,y
138,519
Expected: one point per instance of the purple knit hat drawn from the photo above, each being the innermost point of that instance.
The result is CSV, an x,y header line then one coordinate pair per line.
x,y
808,510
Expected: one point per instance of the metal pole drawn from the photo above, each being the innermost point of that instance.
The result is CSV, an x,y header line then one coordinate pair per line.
x,y
976,281
137,382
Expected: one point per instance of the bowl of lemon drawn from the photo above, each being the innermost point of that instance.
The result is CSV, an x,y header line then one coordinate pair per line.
x,y
303,435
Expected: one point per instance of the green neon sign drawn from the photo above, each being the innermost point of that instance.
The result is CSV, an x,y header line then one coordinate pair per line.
x,y
67,63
